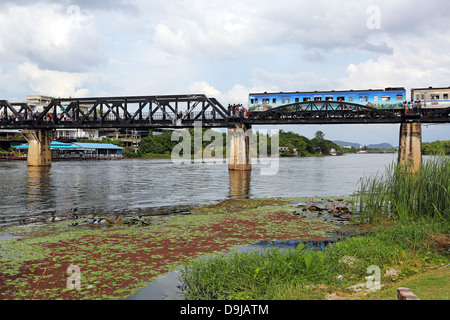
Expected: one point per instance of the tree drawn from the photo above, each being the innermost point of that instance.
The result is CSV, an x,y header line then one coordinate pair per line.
x,y
320,136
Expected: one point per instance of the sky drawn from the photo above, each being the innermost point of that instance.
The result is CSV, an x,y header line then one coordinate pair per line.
x,y
226,49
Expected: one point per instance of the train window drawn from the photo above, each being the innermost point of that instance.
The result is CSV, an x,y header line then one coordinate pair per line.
x,y
366,98
317,99
252,101
423,96
375,98
329,99
360,99
274,100
445,96
306,99
350,99
265,100
341,99
417,96
297,100
399,97
385,98
288,100
434,97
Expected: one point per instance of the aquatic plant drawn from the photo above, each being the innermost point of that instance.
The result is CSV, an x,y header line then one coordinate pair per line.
x,y
404,196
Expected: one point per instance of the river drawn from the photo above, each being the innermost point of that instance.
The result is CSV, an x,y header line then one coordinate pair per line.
x,y
77,188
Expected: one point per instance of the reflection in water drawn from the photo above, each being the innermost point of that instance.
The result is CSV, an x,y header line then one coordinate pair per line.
x,y
38,188
240,184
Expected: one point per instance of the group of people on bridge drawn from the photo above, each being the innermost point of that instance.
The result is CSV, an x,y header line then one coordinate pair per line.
x,y
414,107
31,115
237,110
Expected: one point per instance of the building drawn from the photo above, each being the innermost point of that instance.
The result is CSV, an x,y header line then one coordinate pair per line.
x,y
77,150
38,103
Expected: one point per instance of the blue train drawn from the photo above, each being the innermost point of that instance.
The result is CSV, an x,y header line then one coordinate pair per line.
x,y
386,99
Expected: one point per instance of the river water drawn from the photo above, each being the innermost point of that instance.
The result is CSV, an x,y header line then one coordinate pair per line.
x,y
77,188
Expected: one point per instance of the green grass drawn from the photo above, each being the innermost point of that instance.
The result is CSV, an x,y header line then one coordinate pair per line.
x,y
403,196
410,215
302,273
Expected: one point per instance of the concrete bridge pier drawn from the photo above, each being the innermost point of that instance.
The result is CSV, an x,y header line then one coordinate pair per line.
x,y
410,147
239,148
39,140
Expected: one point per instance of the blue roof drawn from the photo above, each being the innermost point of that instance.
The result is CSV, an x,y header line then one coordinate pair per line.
x,y
76,146
97,146
55,145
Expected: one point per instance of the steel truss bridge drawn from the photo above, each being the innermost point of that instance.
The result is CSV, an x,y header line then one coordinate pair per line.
x,y
187,111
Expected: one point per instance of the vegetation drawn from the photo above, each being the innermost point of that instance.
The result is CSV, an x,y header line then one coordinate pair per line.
x,y
437,148
306,274
406,197
411,236
304,146
161,145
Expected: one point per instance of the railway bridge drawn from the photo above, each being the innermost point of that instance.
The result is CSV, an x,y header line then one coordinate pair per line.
x,y
187,111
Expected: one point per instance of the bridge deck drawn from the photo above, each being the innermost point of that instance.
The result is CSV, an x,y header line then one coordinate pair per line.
x,y
186,111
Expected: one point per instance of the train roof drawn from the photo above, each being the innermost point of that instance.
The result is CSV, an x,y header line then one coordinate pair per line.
x,y
431,88
332,91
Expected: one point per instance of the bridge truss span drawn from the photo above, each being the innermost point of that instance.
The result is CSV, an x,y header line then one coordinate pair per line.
x,y
326,112
118,112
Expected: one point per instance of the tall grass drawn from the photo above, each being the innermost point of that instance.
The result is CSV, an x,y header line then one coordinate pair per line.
x,y
297,273
404,196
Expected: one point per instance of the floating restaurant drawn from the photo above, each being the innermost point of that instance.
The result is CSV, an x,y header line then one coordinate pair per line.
x,y
76,150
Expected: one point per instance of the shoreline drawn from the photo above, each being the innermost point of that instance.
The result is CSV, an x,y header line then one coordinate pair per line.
x,y
121,256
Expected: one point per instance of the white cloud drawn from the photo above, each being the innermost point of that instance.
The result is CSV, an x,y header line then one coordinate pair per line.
x,y
49,36
54,83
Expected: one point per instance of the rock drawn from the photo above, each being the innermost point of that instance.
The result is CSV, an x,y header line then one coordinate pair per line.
x,y
315,208
393,273
332,296
358,287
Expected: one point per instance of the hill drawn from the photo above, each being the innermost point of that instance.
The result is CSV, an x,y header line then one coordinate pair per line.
x,y
384,145
345,143
356,145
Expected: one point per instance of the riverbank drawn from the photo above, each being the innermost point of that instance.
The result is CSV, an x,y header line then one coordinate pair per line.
x,y
117,256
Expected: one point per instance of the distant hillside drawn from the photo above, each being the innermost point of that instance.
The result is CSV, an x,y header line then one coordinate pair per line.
x,y
344,143
384,145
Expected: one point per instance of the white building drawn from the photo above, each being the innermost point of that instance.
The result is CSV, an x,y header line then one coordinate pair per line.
x,y
38,102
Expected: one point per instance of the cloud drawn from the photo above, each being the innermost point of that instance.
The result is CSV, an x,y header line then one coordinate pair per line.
x,y
54,83
49,37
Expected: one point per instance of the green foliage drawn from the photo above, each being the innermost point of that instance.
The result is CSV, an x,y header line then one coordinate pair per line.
x,y
403,196
305,146
262,275
437,148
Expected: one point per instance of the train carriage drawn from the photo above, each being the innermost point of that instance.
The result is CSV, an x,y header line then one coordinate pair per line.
x,y
386,99
431,98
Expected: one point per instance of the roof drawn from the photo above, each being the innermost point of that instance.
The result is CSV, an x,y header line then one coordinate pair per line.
x,y
76,146
97,146
55,145
329,92
429,88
